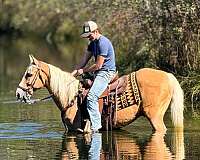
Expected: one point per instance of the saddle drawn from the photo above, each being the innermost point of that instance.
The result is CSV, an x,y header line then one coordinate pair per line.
x,y
119,94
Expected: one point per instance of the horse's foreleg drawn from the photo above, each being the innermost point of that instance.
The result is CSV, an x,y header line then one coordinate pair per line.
x,y
63,121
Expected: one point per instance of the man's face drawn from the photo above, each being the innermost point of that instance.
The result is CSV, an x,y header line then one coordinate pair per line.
x,y
92,36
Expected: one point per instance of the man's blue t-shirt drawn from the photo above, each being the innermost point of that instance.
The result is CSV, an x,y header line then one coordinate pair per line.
x,y
103,47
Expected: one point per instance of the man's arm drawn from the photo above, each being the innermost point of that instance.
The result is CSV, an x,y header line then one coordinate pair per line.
x,y
84,60
96,66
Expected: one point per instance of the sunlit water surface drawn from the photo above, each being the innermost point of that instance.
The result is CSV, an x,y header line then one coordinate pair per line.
x,y
35,131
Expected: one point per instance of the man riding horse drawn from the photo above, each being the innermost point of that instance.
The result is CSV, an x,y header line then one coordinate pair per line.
x,y
102,50
146,92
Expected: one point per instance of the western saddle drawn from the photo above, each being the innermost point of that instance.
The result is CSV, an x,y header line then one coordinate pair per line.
x,y
116,96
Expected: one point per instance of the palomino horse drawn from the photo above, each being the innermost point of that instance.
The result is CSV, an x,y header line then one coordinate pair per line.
x,y
157,89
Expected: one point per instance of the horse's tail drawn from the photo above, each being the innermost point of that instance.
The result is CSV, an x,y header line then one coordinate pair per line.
x,y
177,102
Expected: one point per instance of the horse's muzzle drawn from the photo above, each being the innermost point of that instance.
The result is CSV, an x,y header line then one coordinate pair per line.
x,y
22,95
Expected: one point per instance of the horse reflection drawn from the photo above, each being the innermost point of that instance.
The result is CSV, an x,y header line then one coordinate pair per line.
x,y
121,145
69,148
178,144
157,149
81,147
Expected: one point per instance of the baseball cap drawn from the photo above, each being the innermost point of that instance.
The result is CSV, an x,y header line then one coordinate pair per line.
x,y
88,27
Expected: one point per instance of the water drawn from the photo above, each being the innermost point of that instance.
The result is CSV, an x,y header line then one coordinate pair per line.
x,y
32,132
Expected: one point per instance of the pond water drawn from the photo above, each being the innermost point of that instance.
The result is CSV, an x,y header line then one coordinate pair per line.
x,y
35,131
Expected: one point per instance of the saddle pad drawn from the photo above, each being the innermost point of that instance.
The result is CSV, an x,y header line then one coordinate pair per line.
x,y
131,94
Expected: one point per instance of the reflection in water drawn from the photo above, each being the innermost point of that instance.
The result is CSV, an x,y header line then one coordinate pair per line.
x,y
95,147
156,148
78,147
120,145
178,144
117,145
69,148
26,131
73,147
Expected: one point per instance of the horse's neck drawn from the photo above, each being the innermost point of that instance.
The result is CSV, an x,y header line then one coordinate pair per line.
x,y
63,86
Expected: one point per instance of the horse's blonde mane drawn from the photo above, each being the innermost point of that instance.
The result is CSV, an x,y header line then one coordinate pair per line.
x,y
63,85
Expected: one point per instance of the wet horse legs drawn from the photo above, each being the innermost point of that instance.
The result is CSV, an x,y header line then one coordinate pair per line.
x,y
155,115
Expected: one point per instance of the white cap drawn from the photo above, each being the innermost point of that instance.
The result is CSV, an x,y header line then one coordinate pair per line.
x,y
88,27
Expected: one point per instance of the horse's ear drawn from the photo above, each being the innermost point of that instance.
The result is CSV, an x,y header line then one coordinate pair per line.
x,y
33,60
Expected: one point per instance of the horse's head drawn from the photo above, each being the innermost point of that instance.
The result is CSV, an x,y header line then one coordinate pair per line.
x,y
35,77
62,85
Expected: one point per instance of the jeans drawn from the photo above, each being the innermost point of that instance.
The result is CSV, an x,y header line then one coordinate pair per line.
x,y
100,83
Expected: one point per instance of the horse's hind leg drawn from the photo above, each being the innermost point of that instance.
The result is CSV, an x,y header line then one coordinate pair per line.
x,y
158,123
155,115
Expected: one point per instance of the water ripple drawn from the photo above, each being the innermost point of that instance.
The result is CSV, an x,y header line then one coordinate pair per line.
x,y
26,131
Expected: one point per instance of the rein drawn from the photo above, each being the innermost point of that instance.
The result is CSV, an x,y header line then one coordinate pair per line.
x,y
45,98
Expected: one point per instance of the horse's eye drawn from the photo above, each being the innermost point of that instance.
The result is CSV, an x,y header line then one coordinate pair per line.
x,y
28,75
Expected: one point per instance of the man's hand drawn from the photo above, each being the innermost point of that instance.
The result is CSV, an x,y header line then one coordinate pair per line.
x,y
77,72
73,73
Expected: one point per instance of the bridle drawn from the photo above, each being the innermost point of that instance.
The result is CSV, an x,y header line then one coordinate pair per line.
x,y
36,75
